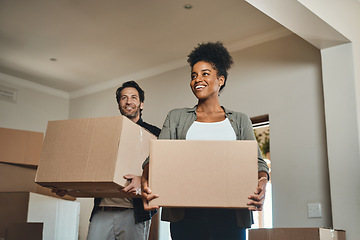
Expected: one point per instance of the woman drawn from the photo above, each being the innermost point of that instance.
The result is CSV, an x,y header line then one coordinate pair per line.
x,y
208,120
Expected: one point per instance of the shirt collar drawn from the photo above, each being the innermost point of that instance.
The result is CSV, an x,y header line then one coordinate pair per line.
x,y
139,121
193,109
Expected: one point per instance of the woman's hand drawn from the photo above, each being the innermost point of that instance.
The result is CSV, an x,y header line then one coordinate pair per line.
x,y
133,190
146,193
257,200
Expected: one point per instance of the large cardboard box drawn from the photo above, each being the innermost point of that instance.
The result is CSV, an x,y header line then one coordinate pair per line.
x,y
89,157
296,234
19,146
21,178
189,173
60,217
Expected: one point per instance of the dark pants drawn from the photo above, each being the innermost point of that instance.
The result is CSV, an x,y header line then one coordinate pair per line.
x,y
207,224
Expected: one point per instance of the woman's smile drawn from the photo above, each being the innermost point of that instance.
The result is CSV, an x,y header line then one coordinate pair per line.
x,y
199,87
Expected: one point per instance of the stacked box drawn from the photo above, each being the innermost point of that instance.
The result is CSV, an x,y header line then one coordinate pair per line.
x,y
19,156
60,217
21,178
20,146
296,234
20,152
21,231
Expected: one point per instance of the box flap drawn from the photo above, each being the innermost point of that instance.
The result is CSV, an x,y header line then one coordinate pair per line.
x,y
134,148
331,234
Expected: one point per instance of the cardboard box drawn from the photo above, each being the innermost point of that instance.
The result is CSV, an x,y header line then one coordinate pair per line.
x,y
21,231
20,147
12,210
188,173
60,217
21,178
296,234
91,156
14,178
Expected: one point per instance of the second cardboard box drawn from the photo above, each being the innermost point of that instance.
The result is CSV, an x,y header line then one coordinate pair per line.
x,y
188,173
89,157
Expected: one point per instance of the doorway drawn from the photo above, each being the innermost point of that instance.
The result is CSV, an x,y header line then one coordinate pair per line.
x,y
261,127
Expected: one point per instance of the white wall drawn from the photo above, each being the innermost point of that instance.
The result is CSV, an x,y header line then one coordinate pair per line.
x,y
342,134
281,78
344,17
332,26
342,71
159,98
33,108
95,105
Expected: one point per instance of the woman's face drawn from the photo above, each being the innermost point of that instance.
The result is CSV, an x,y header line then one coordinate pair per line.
x,y
205,82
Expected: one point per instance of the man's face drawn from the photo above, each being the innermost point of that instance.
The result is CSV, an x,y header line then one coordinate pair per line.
x,y
130,104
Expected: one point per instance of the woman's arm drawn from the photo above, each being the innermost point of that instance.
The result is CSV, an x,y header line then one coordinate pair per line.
x,y
256,201
248,134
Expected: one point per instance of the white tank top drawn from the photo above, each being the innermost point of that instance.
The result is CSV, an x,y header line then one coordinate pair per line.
x,y
211,131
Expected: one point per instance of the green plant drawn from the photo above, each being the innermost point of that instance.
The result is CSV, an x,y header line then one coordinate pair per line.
x,y
264,141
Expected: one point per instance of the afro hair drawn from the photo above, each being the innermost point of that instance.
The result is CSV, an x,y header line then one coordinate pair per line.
x,y
214,53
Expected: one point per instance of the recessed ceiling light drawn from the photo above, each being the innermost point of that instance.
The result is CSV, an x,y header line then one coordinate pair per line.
x,y
188,6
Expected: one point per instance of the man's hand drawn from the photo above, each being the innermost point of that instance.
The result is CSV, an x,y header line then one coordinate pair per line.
x,y
59,192
133,190
146,193
257,200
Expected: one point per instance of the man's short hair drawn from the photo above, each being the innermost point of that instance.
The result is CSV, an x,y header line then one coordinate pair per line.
x,y
132,84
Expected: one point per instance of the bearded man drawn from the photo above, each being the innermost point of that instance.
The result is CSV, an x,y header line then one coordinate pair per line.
x,y
124,218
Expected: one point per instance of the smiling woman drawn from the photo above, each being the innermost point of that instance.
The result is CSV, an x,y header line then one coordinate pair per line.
x,y
208,120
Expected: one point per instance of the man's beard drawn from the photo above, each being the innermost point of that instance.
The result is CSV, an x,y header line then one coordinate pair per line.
x,y
132,114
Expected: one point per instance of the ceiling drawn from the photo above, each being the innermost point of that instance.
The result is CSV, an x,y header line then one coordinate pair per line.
x,y
70,45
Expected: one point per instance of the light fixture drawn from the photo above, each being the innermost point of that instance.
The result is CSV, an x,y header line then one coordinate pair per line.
x,y
188,6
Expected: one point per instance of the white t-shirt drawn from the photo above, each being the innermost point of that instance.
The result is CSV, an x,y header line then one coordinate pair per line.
x,y
211,131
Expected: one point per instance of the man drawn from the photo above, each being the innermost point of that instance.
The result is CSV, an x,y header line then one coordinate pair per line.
x,y
124,218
